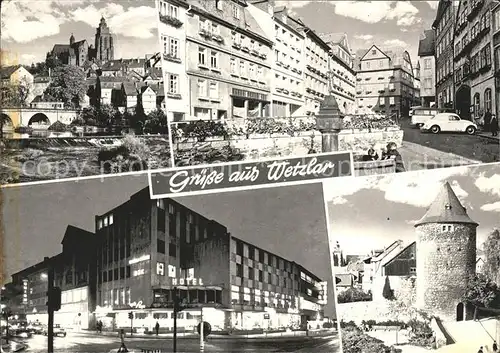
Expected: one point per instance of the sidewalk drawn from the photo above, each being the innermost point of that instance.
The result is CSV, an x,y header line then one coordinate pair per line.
x,y
488,135
273,335
418,157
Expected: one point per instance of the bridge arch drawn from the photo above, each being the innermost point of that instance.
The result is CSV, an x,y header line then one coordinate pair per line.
x,y
6,122
39,119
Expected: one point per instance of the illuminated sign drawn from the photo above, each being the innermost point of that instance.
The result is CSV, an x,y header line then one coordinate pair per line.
x,y
25,291
187,281
137,305
139,259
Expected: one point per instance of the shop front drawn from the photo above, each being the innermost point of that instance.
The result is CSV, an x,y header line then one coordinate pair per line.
x,y
248,104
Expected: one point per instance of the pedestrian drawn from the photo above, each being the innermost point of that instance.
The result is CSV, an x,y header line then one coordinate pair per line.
x,y
480,350
393,153
487,120
495,346
157,328
494,125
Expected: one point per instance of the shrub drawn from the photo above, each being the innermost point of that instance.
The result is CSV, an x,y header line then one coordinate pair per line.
x,y
368,122
422,334
132,155
58,127
387,292
351,295
355,340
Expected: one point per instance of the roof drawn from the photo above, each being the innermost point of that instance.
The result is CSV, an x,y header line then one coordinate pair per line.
x,y
387,250
73,232
400,252
335,38
129,89
396,55
80,42
62,49
7,71
446,208
426,45
253,25
346,279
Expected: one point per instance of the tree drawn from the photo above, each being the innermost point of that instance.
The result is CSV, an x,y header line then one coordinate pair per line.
x,y
15,94
108,115
156,122
492,256
67,85
52,61
387,292
482,292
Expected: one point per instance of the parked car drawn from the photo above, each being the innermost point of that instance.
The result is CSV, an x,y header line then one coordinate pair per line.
x,y
448,122
58,331
420,115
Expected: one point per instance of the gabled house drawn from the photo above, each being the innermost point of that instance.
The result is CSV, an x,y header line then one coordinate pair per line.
x,y
129,92
147,97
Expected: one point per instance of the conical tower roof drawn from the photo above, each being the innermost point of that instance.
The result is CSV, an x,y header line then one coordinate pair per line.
x,y
446,208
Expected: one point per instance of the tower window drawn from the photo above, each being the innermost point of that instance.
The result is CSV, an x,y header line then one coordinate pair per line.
x,y
447,228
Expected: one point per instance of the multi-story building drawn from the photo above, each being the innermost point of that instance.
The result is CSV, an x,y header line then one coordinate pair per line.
x,y
474,72
147,249
229,74
74,272
444,26
288,86
342,76
496,49
417,83
317,71
385,82
427,61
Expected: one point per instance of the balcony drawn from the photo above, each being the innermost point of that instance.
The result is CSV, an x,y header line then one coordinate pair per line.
x,y
171,57
255,52
245,49
236,45
263,56
171,21
218,38
460,27
474,10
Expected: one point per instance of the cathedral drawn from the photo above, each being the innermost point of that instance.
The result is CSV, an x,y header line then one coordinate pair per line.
x,y
80,52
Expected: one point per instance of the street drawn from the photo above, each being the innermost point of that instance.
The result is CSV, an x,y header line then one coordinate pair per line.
x,y
479,148
79,343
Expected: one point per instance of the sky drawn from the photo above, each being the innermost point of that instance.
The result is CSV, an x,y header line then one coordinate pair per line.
x,y
289,221
31,28
370,213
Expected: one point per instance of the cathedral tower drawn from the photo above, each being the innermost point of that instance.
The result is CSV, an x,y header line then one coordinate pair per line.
x,y
104,44
446,257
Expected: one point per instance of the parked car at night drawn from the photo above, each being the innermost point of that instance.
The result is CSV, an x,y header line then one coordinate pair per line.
x,y
58,331
448,122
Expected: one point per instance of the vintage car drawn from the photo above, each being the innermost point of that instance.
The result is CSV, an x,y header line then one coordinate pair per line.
x,y
449,122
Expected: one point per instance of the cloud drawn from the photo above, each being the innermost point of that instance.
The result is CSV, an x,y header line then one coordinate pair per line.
x,y
403,12
491,207
135,22
433,4
489,184
364,36
412,188
395,43
293,4
28,58
31,20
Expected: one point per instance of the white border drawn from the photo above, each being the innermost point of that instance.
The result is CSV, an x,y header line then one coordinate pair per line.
x,y
246,187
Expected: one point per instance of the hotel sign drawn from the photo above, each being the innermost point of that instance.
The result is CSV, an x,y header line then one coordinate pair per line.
x,y
25,291
186,281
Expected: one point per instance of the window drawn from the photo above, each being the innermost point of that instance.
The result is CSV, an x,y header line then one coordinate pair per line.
x,y
202,88
427,64
236,11
260,73
213,90
243,69
213,59
215,28
172,250
202,56
218,4
496,20
160,268
232,66
487,100
374,52
160,246
173,83
477,104
251,71
173,11
173,50
203,25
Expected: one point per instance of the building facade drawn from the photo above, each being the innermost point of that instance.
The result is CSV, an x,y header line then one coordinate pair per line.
x,y
74,272
149,247
385,83
316,75
427,61
342,76
474,70
446,257
230,75
444,26
496,50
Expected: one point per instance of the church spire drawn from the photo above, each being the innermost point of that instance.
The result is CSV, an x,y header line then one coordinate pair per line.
x,y
71,39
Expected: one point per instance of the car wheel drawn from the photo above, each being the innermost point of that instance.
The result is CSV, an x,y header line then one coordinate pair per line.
x,y
435,129
471,130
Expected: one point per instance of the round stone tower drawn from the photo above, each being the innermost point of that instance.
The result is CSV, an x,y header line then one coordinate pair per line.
x,y
446,257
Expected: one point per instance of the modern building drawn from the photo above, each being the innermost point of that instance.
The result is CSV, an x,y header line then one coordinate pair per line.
x,y
444,26
427,61
474,69
74,272
148,248
80,52
385,83
496,50
342,76
446,257
229,75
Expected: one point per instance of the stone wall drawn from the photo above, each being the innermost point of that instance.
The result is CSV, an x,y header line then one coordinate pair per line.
x,y
445,260
277,145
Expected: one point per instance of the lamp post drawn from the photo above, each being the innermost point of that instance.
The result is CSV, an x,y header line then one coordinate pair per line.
x,y
329,123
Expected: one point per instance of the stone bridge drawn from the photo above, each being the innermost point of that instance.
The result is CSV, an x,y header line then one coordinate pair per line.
x,y
15,117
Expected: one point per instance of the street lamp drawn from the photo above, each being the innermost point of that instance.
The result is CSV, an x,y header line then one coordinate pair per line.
x,y
44,276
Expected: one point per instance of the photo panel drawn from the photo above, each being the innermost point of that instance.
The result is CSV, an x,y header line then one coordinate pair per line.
x,y
252,265
415,260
